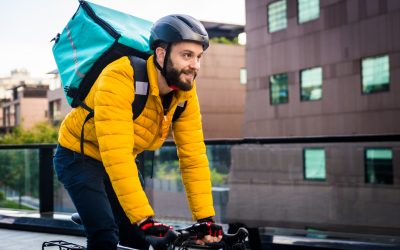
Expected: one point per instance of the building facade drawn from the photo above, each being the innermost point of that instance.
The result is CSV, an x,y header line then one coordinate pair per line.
x,y
21,100
320,68
27,107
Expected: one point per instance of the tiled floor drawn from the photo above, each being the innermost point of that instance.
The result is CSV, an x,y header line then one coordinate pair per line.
x,y
24,240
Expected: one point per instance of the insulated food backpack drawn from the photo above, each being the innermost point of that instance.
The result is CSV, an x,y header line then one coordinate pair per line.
x,y
94,37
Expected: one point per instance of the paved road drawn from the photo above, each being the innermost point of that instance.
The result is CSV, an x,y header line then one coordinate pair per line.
x,y
24,240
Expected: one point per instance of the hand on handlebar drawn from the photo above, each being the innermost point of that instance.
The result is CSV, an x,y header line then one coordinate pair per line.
x,y
204,232
150,227
207,231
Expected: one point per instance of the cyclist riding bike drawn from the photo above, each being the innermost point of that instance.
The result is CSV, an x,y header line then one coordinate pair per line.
x,y
105,187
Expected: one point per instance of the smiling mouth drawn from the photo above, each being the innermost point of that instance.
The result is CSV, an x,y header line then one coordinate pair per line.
x,y
189,75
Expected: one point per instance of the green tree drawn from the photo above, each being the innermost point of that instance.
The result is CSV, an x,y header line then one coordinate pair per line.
x,y
42,132
19,167
224,40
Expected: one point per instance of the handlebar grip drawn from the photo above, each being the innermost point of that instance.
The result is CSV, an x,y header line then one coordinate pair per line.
x,y
233,239
228,242
160,243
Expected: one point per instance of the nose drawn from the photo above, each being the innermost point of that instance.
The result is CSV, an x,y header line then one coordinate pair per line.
x,y
195,63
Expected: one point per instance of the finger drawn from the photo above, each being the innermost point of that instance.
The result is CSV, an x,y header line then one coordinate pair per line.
x,y
207,238
200,242
215,239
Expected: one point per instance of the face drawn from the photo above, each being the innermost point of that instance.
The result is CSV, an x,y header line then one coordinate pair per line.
x,y
184,64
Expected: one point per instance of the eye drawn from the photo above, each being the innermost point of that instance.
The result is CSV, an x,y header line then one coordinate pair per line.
x,y
187,55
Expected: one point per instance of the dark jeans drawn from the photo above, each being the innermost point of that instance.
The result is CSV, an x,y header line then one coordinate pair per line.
x,y
91,192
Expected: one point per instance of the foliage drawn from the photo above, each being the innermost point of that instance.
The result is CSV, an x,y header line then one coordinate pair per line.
x,y
224,40
168,171
19,167
218,179
13,205
19,171
42,132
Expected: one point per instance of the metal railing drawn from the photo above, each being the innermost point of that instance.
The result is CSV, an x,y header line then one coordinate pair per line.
x,y
46,173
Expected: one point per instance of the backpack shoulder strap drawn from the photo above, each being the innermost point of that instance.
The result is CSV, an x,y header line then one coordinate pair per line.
x,y
141,82
179,109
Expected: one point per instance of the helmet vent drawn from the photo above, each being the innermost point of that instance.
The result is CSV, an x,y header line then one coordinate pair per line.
x,y
189,23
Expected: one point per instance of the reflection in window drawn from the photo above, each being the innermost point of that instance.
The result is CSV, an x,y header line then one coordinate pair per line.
x,y
308,10
278,85
314,164
19,179
375,74
311,84
277,16
243,76
378,166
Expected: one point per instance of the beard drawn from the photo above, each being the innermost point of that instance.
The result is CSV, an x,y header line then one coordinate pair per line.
x,y
175,78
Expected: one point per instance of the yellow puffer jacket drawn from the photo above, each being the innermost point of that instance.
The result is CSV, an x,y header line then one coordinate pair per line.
x,y
115,139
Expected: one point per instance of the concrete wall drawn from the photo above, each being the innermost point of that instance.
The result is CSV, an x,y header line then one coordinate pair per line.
x,y
221,96
33,110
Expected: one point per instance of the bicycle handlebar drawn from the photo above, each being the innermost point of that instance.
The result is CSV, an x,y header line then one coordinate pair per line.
x,y
185,238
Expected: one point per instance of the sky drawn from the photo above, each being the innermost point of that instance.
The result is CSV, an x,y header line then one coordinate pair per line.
x,y
27,26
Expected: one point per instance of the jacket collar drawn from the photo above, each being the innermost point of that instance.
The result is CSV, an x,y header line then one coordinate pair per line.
x,y
153,82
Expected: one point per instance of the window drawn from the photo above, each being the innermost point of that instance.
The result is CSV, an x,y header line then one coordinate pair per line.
x,y
378,166
314,164
243,76
17,114
277,16
308,10
311,84
375,74
55,110
278,88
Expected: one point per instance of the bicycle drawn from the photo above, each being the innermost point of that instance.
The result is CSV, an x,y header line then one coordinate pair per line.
x,y
179,239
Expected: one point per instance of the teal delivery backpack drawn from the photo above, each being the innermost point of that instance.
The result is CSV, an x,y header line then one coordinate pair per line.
x,y
94,37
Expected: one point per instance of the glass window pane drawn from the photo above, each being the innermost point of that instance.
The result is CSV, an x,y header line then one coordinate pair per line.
x,y
277,16
314,164
19,179
378,166
243,76
375,74
278,89
311,84
169,199
308,10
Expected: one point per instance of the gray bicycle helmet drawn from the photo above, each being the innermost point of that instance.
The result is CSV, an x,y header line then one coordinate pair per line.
x,y
176,28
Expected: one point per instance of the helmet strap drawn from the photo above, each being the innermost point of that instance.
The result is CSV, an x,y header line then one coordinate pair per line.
x,y
163,69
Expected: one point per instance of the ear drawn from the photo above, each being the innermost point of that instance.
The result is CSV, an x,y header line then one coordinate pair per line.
x,y
160,53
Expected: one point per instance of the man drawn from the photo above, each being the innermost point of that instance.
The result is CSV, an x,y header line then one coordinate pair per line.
x,y
105,188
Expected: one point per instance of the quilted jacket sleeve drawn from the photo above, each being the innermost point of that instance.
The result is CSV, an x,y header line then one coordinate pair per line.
x,y
114,129
188,135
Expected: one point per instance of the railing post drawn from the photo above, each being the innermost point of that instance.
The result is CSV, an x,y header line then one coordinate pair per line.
x,y
46,190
